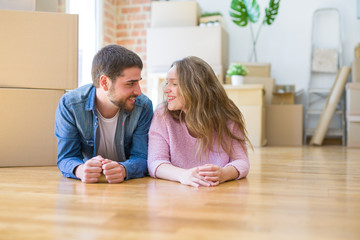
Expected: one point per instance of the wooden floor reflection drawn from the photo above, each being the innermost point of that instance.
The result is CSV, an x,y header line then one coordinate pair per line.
x,y
290,193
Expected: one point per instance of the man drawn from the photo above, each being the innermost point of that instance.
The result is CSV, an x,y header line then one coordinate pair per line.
x,y
102,128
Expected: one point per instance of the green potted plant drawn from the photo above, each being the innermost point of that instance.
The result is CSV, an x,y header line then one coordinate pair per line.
x,y
212,18
244,12
237,72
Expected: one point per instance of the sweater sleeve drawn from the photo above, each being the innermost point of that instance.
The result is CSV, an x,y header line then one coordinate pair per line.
x,y
240,159
159,152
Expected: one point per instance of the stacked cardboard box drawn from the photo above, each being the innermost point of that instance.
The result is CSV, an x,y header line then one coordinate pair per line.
x,y
284,94
353,102
353,114
38,62
175,34
355,68
174,14
284,124
258,73
284,118
250,99
268,82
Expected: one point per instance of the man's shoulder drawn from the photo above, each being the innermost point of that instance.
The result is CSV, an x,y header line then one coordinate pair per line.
x,y
78,95
143,101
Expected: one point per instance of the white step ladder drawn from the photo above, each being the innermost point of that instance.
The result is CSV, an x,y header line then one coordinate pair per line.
x,y
326,60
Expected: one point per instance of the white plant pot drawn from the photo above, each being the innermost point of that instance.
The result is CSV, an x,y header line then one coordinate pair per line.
x,y
237,80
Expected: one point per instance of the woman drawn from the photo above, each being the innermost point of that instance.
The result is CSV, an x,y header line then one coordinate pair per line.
x,y
197,137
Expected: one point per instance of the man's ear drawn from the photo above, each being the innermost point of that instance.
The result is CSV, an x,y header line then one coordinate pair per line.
x,y
104,82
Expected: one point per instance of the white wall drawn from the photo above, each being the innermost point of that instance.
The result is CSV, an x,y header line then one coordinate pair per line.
x,y
286,44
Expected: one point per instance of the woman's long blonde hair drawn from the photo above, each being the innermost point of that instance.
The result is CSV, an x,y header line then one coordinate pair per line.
x,y
208,108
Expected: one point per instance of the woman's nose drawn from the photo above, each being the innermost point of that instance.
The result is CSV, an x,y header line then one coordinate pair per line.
x,y
166,89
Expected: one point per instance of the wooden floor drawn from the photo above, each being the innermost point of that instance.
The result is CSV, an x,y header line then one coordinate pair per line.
x,y
290,193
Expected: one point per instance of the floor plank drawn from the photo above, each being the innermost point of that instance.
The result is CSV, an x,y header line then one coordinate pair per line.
x,y
290,193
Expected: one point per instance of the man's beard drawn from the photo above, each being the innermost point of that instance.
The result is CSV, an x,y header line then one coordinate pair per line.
x,y
122,104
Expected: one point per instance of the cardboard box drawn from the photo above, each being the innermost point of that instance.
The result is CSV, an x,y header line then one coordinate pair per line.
x,y
284,125
355,70
269,84
353,131
256,69
27,126
255,124
30,5
353,98
22,5
174,14
325,60
246,95
166,45
251,102
38,50
284,94
357,48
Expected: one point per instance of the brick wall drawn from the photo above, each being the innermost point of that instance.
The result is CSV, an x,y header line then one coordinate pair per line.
x,y
61,6
125,23
109,21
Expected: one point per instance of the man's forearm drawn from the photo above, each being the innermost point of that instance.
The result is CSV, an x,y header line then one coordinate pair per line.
x,y
135,168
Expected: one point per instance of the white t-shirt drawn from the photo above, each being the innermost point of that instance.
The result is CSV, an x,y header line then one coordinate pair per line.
x,y
107,128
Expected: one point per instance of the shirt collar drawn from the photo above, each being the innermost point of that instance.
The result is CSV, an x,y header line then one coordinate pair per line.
x,y
90,102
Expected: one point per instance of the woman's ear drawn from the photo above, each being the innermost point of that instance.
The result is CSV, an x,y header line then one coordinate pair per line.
x,y
104,82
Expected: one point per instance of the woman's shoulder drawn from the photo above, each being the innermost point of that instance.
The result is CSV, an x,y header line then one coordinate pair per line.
x,y
160,111
161,115
234,127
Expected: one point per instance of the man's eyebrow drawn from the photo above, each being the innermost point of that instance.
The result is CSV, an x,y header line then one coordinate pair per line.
x,y
134,80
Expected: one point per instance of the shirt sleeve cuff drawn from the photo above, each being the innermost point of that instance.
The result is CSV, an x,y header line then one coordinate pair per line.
x,y
241,167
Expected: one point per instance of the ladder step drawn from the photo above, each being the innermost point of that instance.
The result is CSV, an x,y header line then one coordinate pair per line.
x,y
319,90
331,132
319,111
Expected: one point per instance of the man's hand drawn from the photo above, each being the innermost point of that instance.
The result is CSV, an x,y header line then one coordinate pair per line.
x,y
90,171
113,171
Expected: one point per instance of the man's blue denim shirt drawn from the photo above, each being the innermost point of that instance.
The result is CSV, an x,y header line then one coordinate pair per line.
x,y
76,128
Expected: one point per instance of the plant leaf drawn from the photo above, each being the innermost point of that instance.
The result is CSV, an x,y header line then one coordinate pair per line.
x,y
271,12
243,11
252,9
238,13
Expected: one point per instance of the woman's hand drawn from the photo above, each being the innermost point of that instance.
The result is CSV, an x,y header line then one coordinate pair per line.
x,y
212,173
193,178
216,175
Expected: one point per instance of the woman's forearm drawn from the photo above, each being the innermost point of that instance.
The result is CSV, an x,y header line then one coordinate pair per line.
x,y
229,173
169,172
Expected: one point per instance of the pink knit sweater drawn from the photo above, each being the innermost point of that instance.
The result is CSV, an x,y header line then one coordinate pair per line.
x,y
170,142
